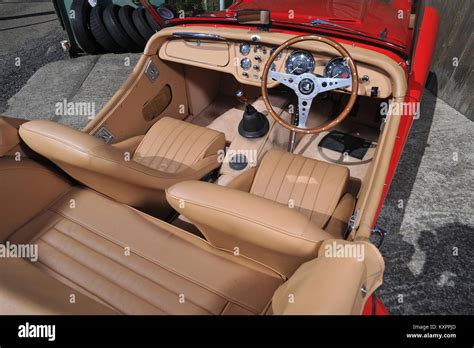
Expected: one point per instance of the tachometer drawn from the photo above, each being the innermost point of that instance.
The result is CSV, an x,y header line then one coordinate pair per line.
x,y
337,68
299,62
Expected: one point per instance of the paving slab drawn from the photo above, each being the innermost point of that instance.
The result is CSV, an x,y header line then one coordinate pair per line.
x,y
89,79
30,36
429,215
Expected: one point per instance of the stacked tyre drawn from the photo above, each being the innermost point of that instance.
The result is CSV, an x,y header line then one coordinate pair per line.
x,y
112,28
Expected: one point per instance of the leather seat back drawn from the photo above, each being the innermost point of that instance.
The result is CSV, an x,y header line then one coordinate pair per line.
x,y
314,188
134,180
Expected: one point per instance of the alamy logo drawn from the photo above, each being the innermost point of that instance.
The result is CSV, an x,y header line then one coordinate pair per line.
x,y
23,251
345,250
37,331
66,108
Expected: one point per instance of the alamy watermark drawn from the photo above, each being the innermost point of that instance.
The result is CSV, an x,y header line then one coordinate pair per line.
x,y
392,108
23,251
345,250
65,108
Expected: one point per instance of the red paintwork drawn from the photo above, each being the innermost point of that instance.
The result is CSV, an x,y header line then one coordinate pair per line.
x,y
417,79
362,15
380,308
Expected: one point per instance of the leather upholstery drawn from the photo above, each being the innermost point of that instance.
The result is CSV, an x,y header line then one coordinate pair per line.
x,y
261,229
263,224
171,145
167,270
171,151
314,187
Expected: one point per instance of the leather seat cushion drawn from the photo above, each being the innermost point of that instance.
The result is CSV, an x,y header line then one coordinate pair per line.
x,y
312,187
134,264
172,145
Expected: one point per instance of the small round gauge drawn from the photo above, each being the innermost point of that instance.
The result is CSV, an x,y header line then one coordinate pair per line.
x,y
277,57
337,68
273,67
246,64
299,62
244,48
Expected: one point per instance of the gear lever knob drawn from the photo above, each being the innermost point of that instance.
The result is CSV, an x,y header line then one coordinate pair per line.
x,y
241,96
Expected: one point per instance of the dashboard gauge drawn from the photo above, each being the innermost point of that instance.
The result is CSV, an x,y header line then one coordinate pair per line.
x,y
273,67
244,48
337,68
299,62
246,64
277,57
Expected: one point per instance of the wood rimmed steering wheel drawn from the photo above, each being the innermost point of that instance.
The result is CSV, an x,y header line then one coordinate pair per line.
x,y
307,86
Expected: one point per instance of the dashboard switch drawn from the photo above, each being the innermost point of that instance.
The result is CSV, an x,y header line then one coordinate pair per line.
x,y
374,91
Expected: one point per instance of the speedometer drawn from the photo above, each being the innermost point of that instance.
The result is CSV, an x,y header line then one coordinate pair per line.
x,y
337,68
299,62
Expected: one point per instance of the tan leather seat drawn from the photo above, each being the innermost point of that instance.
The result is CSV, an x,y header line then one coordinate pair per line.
x,y
136,171
314,188
101,257
108,253
294,204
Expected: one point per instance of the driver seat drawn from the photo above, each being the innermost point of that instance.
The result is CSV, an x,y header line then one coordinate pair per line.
x,y
278,214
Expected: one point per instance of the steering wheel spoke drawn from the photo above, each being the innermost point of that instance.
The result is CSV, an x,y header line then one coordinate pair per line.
x,y
308,85
284,78
304,105
330,83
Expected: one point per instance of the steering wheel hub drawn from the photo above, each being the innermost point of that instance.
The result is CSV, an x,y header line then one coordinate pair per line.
x,y
306,86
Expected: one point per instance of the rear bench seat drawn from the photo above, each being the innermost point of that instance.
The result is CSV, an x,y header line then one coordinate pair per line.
x,y
115,259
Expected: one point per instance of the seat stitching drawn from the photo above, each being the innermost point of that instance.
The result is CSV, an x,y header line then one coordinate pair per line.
x,y
43,265
271,176
307,184
185,138
298,176
319,190
104,276
142,144
284,177
203,131
157,262
334,202
132,270
155,155
201,154
225,307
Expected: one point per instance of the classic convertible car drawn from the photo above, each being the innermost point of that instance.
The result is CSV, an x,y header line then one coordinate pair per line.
x,y
240,169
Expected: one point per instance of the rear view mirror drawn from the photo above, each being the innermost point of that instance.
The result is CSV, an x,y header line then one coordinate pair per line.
x,y
251,16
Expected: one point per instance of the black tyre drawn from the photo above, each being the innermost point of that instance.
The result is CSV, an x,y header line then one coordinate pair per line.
x,y
81,27
112,23
100,31
140,22
125,17
151,22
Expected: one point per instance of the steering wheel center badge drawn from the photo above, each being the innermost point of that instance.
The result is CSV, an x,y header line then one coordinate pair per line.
x,y
306,86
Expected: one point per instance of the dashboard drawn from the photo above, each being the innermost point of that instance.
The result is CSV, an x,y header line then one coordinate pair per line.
x,y
246,61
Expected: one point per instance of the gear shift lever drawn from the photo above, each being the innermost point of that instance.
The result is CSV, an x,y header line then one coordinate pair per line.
x,y
254,124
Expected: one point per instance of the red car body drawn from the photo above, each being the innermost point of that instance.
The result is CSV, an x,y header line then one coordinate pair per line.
x,y
386,28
